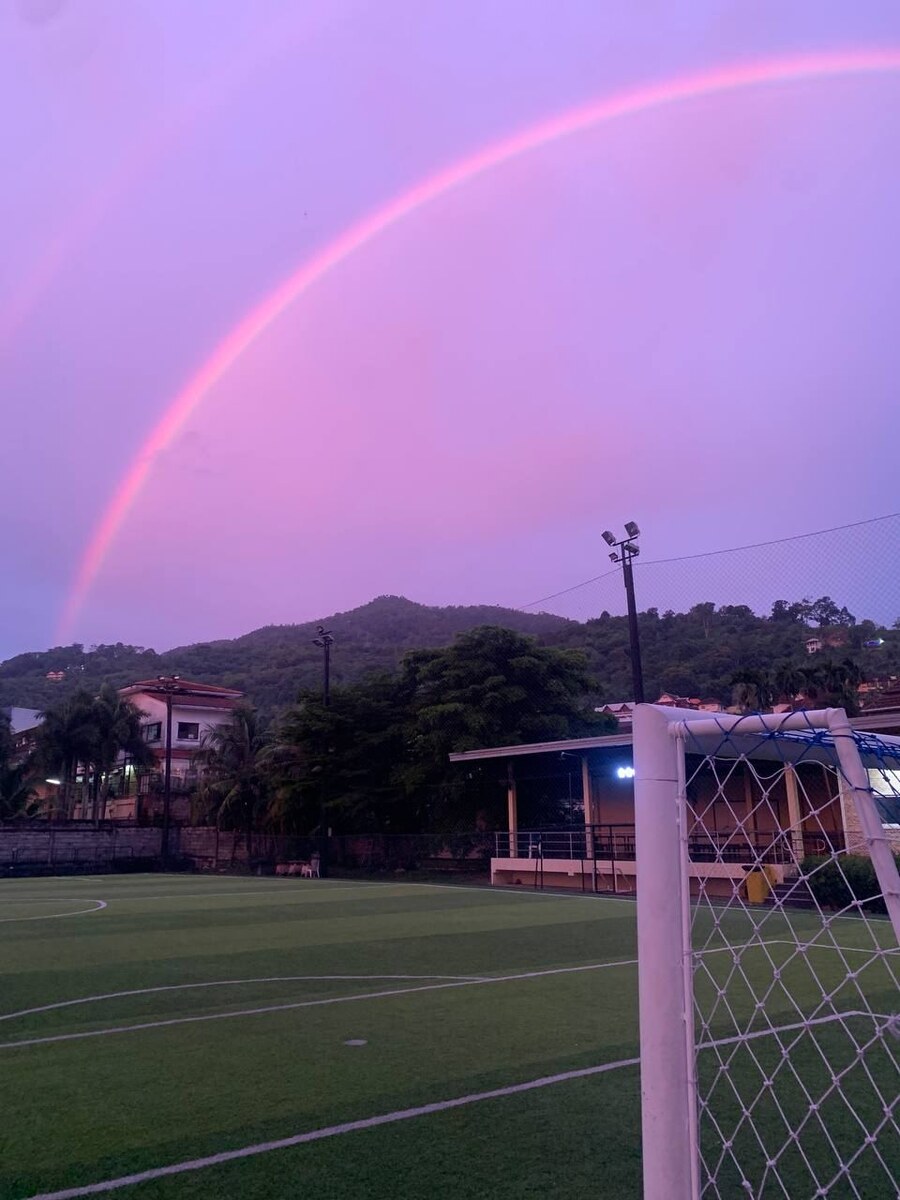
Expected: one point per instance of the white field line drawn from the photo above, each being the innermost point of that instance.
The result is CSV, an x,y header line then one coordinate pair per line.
x,y
179,987
797,1025
742,947
315,1135
404,1114
274,891
174,987
501,890
816,945
270,1008
98,904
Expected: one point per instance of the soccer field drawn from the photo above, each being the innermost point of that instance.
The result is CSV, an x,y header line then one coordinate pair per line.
x,y
435,1040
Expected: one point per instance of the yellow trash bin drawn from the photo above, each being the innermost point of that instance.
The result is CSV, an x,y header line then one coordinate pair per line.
x,y
758,886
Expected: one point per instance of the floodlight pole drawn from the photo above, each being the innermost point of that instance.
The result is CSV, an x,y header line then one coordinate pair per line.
x,y
624,552
325,640
168,685
637,671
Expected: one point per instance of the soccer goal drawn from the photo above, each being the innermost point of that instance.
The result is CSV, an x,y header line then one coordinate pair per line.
x,y
768,925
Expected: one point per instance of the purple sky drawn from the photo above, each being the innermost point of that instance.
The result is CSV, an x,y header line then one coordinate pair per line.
x,y
688,316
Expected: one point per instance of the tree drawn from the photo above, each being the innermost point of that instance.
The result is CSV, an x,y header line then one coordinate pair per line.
x,y
65,738
834,685
16,778
789,680
117,729
492,687
794,613
752,690
336,766
825,612
233,784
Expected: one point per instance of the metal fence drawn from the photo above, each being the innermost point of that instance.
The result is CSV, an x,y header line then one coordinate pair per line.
x,y
616,843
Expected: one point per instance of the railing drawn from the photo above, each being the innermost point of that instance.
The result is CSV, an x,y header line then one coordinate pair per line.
x,y
616,843
592,841
825,842
154,783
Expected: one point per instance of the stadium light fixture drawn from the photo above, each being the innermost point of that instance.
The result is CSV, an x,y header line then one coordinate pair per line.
x,y
631,528
625,772
609,538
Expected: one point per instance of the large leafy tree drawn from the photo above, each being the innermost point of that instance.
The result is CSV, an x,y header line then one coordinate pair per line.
x,y
492,687
336,766
233,789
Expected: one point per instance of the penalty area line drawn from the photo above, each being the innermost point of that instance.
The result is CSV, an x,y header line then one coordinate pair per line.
x,y
315,1135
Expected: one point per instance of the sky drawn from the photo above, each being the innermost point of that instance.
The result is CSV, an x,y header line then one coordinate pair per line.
x,y
685,316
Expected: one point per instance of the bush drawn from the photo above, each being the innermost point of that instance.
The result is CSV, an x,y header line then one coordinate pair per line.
x,y
836,883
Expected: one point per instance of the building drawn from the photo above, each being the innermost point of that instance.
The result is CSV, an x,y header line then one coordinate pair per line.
x,y
584,838
136,794
623,710
22,720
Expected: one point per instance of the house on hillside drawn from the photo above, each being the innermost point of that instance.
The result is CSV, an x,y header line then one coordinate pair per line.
x,y
190,710
623,710
620,709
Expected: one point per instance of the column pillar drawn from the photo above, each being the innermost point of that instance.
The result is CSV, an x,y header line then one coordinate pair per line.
x,y
512,809
588,802
795,817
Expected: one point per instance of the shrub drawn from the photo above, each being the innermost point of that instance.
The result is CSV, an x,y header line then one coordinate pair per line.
x,y
836,883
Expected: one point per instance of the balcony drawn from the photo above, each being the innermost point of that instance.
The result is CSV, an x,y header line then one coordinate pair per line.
x,y
153,784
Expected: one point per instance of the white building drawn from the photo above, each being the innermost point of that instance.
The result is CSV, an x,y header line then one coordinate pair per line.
x,y
196,709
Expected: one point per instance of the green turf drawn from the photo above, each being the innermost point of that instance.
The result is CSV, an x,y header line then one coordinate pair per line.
x,y
82,1110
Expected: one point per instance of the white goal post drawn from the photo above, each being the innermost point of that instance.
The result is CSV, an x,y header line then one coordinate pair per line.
x,y
768,910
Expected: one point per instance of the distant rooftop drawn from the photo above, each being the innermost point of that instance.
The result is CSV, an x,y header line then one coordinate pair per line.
x,y
21,719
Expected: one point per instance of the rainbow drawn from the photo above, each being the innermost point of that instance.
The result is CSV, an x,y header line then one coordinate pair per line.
x,y
626,103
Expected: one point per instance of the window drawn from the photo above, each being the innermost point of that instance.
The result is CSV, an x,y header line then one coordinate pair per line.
x,y
188,731
152,732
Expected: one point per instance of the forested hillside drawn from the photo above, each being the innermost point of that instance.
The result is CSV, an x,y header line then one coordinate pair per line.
x,y
270,664
697,653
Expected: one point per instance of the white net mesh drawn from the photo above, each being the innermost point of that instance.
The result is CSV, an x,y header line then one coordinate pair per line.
x,y
795,967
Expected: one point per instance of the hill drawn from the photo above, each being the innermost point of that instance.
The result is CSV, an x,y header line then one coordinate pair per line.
x,y
695,653
272,663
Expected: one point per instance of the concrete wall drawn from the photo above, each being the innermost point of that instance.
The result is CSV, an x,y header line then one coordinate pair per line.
x,y
47,844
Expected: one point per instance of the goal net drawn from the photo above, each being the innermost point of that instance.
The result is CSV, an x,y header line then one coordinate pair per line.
x,y
768,924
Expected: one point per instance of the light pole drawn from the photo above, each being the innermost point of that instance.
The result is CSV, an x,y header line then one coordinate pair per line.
x,y
325,641
626,550
168,685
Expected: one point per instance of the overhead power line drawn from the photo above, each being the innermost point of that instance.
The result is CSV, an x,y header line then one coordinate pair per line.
x,y
713,553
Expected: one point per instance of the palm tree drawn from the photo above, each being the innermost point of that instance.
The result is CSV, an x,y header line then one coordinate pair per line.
x,y
835,685
16,789
752,691
233,787
117,729
16,778
67,737
789,681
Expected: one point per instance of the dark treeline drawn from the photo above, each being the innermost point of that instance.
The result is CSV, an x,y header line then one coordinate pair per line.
x,y
693,653
376,758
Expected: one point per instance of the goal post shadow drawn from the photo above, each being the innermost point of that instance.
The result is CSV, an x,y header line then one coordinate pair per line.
x,y
727,811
